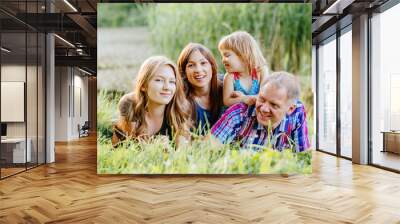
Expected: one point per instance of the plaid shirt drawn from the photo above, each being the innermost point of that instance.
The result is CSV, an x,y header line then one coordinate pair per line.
x,y
239,123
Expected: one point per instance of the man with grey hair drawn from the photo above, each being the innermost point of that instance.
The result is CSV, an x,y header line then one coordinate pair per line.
x,y
277,106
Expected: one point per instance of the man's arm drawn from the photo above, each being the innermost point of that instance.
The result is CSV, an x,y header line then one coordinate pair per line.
x,y
228,126
300,132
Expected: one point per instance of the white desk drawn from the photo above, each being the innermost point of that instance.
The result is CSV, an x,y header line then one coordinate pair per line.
x,y
18,150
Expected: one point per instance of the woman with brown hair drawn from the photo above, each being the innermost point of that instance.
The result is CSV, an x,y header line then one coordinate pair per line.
x,y
198,69
157,106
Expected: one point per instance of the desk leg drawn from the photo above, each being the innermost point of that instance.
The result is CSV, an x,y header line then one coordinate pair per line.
x,y
384,142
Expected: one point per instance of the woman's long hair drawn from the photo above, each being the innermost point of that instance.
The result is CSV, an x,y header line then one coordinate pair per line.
x,y
246,47
177,111
215,95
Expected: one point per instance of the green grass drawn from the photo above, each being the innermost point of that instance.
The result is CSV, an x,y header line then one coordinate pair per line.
x,y
158,156
107,112
200,157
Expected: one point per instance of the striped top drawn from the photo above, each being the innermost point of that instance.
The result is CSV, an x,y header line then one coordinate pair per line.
x,y
239,124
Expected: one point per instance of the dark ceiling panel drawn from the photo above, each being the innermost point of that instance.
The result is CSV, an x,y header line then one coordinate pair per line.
x,y
79,61
79,28
325,24
49,22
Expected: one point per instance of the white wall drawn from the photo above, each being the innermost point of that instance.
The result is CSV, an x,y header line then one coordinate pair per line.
x,y
70,83
33,126
61,103
12,73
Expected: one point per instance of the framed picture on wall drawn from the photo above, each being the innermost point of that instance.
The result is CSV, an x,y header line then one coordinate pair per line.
x,y
12,101
186,88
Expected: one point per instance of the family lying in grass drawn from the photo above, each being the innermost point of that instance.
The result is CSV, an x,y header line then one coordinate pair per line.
x,y
251,107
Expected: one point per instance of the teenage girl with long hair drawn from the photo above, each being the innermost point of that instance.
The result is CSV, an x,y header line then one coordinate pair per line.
x,y
158,105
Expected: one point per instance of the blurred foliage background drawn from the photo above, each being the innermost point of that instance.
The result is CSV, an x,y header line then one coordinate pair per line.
x,y
121,15
282,30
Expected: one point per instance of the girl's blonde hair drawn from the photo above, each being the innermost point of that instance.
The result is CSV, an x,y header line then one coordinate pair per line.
x,y
246,47
177,111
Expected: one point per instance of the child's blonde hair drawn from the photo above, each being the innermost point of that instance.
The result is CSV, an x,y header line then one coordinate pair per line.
x,y
246,47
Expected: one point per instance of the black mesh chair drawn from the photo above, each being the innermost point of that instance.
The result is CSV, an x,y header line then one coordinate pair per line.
x,y
84,130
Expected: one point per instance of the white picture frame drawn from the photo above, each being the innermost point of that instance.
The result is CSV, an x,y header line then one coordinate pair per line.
x,y
12,101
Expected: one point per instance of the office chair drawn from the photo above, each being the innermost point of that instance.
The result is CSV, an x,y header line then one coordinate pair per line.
x,y
84,130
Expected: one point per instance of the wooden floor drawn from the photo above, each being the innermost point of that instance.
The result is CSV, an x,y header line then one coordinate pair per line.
x,y
10,171
387,159
70,191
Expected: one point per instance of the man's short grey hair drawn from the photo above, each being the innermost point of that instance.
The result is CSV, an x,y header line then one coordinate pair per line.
x,y
285,80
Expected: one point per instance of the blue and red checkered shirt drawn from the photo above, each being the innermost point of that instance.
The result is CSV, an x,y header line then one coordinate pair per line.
x,y
239,124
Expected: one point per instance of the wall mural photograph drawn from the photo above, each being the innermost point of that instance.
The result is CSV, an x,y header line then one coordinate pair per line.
x,y
204,88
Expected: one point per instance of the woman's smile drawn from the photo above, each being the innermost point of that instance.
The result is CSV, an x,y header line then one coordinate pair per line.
x,y
165,94
199,77
198,70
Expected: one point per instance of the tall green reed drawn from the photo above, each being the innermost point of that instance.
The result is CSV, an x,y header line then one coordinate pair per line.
x,y
107,112
282,30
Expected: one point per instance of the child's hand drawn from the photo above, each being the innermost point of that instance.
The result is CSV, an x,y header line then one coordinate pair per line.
x,y
250,100
237,94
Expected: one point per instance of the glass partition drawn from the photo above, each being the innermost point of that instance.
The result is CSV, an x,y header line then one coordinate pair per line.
x,y
327,96
22,67
13,92
31,97
345,93
385,89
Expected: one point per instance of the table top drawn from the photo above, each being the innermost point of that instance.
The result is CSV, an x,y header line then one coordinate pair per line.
x,y
392,132
13,140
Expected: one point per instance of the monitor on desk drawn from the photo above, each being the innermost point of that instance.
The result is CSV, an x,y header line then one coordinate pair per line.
x,y
3,130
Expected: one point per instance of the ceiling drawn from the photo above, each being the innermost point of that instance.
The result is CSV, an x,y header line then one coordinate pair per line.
x,y
74,22
330,15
